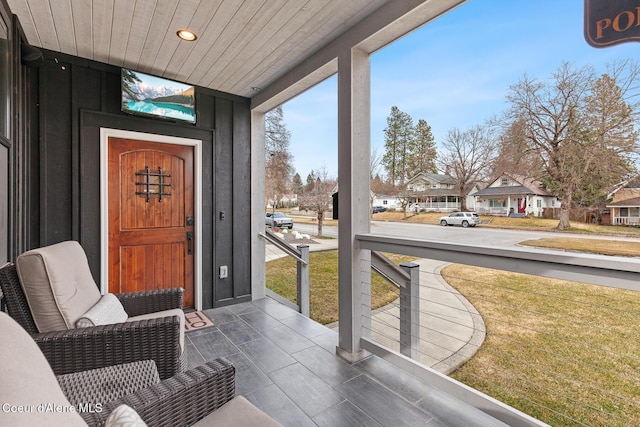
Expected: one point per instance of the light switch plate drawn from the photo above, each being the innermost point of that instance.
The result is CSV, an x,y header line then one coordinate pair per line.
x,y
224,272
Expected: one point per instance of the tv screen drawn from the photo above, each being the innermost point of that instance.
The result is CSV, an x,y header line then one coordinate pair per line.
x,y
151,96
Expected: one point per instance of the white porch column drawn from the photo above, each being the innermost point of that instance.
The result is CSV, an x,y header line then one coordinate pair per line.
x,y
258,281
354,147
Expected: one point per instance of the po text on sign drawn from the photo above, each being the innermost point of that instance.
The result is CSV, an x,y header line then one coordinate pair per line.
x,y
609,22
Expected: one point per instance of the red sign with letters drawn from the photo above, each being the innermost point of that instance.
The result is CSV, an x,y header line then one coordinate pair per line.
x,y
609,22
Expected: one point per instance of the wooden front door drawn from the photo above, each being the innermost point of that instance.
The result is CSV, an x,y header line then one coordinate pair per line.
x,y
151,223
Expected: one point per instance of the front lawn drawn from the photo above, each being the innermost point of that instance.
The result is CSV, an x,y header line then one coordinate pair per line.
x,y
595,246
566,353
323,278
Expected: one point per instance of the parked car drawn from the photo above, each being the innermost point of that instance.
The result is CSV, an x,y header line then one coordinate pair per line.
x,y
465,219
278,219
377,209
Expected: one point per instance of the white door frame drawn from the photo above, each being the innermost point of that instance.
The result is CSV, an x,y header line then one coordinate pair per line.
x,y
105,134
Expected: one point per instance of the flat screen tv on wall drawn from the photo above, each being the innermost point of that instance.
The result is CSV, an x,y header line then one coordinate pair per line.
x,y
151,96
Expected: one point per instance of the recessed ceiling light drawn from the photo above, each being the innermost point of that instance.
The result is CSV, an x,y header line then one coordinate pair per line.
x,y
187,35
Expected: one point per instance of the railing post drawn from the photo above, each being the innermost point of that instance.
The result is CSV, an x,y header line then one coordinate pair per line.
x,y
303,280
410,312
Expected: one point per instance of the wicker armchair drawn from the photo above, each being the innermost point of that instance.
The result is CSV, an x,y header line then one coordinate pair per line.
x,y
82,349
33,395
181,400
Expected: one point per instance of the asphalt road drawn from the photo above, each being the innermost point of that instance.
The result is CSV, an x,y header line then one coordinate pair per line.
x,y
477,235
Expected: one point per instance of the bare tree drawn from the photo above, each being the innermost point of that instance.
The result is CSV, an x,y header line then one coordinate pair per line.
x,y
515,155
467,157
380,186
580,125
405,196
317,198
278,159
375,164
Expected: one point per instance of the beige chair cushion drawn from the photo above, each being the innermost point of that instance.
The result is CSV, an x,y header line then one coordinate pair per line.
x,y
58,285
28,384
165,313
238,412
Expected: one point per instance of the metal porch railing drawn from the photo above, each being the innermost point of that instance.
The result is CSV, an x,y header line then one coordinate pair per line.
x,y
301,255
526,337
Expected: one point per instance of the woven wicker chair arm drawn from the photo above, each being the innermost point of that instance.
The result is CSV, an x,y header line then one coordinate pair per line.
x,y
82,349
181,400
15,300
95,387
137,303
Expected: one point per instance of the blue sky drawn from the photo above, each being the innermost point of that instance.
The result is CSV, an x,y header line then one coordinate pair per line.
x,y
453,72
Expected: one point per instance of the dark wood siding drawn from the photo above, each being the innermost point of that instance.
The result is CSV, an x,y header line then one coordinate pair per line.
x,y
77,97
4,204
7,63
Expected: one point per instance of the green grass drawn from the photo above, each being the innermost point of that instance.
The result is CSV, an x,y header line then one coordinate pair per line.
x,y
570,347
323,283
595,246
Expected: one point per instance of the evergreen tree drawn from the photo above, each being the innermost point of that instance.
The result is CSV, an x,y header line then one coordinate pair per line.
x,y
423,150
298,185
311,182
398,141
129,81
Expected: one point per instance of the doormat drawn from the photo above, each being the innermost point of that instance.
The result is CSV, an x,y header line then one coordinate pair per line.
x,y
196,320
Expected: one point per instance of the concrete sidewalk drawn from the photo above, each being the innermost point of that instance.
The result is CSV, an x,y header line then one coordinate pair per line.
x,y
451,329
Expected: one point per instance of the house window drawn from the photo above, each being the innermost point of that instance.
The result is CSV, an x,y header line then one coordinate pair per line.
x,y
384,202
624,212
434,185
634,212
504,182
539,203
497,203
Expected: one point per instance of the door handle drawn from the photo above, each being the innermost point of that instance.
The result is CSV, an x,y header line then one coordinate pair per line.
x,y
189,242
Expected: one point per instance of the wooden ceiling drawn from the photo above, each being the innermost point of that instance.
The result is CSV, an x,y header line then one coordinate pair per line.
x,y
241,45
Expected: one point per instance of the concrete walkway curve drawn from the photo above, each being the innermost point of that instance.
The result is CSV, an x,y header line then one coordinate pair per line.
x,y
451,329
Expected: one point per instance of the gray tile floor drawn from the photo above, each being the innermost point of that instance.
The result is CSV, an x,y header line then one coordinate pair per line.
x,y
286,365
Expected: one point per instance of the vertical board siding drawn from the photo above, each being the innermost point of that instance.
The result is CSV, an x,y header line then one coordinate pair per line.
x,y
241,188
56,150
224,199
4,207
75,103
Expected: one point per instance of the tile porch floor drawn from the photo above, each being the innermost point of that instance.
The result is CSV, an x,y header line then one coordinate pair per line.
x,y
287,366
